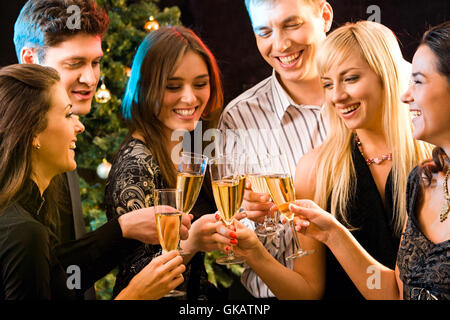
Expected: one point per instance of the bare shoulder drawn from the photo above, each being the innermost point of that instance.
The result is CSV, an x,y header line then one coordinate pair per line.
x,y
305,175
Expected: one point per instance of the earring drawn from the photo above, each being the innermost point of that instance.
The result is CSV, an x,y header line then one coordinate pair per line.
x,y
37,147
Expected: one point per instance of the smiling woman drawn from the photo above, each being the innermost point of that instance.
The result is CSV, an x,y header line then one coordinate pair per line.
x,y
23,129
187,93
57,141
174,84
37,138
37,141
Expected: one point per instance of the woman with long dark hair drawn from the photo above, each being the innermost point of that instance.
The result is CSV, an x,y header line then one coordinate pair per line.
x,y
174,87
37,142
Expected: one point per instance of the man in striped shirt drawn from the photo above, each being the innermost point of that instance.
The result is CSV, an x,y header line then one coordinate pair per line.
x,y
281,114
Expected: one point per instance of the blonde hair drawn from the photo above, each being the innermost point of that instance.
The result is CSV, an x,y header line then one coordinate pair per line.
x,y
335,181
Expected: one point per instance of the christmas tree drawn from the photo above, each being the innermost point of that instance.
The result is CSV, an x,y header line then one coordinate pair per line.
x,y
105,129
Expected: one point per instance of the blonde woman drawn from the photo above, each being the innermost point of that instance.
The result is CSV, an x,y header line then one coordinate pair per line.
x,y
359,173
423,263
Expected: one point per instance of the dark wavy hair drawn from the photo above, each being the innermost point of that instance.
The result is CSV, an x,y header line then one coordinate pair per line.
x,y
438,40
25,100
46,23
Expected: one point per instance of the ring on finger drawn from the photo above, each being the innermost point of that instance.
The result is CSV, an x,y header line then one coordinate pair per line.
x,y
242,211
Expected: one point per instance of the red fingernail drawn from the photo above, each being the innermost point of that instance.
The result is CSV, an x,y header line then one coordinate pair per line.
x,y
227,249
217,216
233,234
233,241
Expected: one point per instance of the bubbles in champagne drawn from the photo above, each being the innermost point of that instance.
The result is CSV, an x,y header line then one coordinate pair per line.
x,y
168,227
228,194
281,190
191,185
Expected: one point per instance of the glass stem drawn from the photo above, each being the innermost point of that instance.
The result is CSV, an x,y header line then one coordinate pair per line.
x,y
231,252
266,221
295,237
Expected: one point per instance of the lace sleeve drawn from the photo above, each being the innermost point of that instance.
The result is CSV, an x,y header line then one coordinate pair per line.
x,y
133,177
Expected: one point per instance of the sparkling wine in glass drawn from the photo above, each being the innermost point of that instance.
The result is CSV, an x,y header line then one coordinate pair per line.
x,y
228,184
256,176
167,225
281,187
168,211
190,175
191,172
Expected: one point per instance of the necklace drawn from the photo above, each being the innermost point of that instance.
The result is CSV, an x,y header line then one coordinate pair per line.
x,y
369,161
446,207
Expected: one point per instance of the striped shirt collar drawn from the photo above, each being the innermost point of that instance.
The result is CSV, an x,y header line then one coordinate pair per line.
x,y
283,100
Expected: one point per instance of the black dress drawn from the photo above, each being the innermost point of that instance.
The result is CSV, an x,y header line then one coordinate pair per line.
x,y
424,266
134,175
34,264
375,231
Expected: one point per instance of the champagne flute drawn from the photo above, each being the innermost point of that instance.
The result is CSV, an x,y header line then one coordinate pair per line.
x,y
228,184
191,171
255,174
281,187
168,211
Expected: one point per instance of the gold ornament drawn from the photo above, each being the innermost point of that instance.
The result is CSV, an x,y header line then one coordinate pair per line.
x,y
151,25
128,71
102,95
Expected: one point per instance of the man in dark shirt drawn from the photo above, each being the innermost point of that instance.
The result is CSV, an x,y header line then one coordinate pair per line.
x,y
67,36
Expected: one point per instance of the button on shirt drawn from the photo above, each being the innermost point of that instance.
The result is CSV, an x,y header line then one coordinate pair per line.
x,y
265,119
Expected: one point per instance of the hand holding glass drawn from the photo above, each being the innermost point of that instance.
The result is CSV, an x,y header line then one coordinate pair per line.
x,y
168,210
255,174
191,171
228,183
281,187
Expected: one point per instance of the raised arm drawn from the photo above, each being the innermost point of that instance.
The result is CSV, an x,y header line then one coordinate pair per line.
x,y
373,280
305,281
285,283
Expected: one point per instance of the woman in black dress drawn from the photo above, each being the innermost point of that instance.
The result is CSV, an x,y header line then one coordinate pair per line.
x,y
174,87
37,140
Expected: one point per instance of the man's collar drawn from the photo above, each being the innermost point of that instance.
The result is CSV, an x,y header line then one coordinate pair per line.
x,y
281,97
283,100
